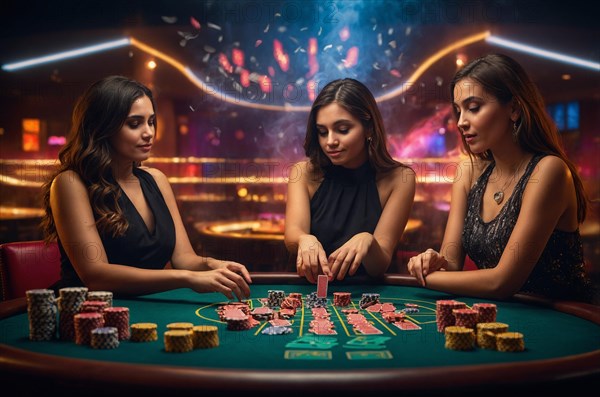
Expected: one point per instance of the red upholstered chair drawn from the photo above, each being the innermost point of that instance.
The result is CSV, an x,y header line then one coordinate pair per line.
x,y
28,265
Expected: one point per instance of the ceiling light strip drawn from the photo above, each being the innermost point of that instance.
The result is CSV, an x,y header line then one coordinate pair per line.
x,y
11,67
543,53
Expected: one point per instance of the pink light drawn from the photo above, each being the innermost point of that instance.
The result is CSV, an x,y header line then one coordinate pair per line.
x,y
244,78
345,33
195,23
225,63
280,56
351,57
265,84
238,57
313,64
54,140
311,88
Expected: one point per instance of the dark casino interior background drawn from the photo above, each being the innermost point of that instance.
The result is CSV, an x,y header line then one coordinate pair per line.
x,y
234,80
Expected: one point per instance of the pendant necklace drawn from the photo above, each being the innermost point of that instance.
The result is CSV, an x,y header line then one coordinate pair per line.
x,y
499,195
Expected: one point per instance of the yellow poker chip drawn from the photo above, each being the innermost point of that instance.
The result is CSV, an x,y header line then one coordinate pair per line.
x,y
459,338
144,332
486,334
206,336
510,342
178,341
180,326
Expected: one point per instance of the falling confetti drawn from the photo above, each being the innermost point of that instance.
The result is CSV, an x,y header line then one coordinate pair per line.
x,y
194,22
168,19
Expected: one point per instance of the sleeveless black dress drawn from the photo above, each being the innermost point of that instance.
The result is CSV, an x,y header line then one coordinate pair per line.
x,y
138,247
559,272
346,203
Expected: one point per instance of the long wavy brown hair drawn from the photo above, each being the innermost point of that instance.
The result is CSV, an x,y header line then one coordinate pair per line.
x,y
358,100
98,115
505,79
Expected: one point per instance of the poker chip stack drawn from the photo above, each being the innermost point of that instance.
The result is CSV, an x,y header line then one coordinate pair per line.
x,y
85,323
444,316
275,297
143,332
392,316
342,299
244,306
41,311
459,338
118,317
368,299
486,312
486,334
105,338
93,306
105,296
312,301
238,323
205,336
291,303
69,304
181,326
410,310
465,318
296,295
179,341
263,313
277,330
510,342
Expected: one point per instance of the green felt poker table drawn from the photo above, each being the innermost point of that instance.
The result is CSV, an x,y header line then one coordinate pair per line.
x,y
562,347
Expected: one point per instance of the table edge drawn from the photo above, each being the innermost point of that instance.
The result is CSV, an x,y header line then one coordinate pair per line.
x,y
142,376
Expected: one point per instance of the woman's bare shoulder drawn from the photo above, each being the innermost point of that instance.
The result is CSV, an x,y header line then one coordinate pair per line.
x,y
67,179
398,176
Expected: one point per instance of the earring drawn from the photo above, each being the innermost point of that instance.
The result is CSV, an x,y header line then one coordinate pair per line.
x,y
515,132
370,140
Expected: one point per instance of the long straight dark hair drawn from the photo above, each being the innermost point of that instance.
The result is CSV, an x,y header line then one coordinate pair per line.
x,y
356,98
505,79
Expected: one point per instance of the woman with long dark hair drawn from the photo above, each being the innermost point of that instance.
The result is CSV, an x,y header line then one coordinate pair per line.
x,y
117,222
349,203
517,205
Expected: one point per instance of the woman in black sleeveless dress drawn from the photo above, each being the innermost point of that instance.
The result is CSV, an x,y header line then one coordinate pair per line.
x,y
117,223
517,204
347,206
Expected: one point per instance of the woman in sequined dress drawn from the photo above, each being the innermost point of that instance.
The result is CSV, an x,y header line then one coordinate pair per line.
x,y
518,201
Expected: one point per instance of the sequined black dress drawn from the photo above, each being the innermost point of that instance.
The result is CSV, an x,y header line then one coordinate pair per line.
x,y
559,272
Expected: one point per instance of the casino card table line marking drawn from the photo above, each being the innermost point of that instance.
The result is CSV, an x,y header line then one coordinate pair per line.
x,y
337,313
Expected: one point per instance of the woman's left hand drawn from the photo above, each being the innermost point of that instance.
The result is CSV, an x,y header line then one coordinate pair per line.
x,y
235,267
347,259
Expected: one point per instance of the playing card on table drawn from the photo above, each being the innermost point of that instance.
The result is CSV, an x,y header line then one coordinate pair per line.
x,y
406,325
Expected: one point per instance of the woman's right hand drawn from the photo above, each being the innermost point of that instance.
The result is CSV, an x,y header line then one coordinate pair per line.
x,y
230,283
310,258
426,263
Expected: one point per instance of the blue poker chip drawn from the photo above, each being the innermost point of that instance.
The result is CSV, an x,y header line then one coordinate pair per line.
x,y
276,330
410,310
